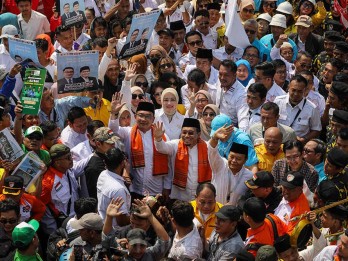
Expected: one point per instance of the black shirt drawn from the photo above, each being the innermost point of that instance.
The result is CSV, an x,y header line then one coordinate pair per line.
x,y
92,171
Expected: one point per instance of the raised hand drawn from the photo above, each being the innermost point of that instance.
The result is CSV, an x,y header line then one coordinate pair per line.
x,y
112,42
191,97
15,70
223,132
145,211
116,104
18,110
158,131
114,207
131,71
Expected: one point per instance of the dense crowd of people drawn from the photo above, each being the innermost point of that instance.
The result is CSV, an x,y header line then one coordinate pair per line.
x,y
195,149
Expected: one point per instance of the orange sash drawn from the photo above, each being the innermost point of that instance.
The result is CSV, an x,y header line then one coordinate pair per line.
x,y
182,163
160,166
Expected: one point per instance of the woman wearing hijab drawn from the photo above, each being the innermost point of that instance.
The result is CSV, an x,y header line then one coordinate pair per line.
x,y
168,114
50,45
197,103
210,111
8,18
246,10
141,81
141,62
244,73
156,53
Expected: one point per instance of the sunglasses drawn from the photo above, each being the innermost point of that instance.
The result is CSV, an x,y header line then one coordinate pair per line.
x,y
140,96
307,5
198,43
139,84
165,65
172,83
8,221
250,11
250,31
271,5
209,114
34,137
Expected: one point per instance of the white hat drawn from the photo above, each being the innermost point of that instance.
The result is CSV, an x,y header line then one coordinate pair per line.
x,y
278,20
286,44
223,8
8,30
264,16
285,8
313,2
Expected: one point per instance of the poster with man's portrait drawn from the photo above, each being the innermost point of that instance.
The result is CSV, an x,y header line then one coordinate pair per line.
x,y
72,12
77,71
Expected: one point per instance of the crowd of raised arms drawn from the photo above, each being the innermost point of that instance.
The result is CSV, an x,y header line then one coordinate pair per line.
x,y
199,147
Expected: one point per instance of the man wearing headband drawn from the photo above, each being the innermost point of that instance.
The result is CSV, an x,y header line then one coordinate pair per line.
x,y
151,172
228,174
189,158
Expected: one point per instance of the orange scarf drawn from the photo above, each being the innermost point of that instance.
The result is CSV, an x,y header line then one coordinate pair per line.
x,y
182,163
160,166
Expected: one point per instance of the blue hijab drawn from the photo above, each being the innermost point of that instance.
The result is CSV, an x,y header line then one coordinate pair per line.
x,y
250,74
8,18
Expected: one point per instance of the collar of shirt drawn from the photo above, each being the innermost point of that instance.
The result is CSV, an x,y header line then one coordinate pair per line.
x,y
299,105
63,50
239,173
20,16
210,33
56,172
256,111
218,24
116,176
74,133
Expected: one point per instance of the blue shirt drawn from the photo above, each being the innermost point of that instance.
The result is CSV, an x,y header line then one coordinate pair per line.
x,y
269,42
320,169
240,137
61,108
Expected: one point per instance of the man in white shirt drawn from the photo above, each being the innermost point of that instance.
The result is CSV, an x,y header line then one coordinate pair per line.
x,y
187,243
65,39
339,252
256,96
202,26
149,168
194,41
111,185
231,95
31,23
228,175
75,132
166,40
189,158
228,52
264,74
298,112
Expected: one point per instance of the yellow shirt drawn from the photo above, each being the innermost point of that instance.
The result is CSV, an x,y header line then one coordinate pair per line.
x,y
266,160
102,114
209,224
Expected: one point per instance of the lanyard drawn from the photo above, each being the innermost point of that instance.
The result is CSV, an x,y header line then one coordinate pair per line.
x,y
298,113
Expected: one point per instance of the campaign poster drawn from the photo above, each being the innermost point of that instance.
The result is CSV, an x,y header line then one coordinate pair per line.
x,y
77,71
34,81
72,12
139,33
23,52
9,148
29,168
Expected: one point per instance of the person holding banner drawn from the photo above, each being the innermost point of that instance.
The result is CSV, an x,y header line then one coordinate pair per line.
x,y
65,39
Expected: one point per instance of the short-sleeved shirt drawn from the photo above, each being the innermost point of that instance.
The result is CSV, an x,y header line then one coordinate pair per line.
x,y
37,24
227,249
266,159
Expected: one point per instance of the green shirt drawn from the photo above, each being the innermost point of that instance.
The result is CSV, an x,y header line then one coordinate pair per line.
x,y
43,155
19,257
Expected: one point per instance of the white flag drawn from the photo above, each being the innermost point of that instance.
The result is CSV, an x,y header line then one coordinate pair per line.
x,y
234,29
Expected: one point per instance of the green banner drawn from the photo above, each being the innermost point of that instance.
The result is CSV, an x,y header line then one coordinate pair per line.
x,y
34,81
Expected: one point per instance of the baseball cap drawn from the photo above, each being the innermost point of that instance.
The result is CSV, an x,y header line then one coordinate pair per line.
x,y
8,31
58,150
32,130
304,20
228,212
266,253
244,255
105,134
12,185
23,233
167,32
90,221
278,20
263,179
292,179
136,236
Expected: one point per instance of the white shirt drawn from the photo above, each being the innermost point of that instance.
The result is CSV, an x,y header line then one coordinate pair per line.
x,y
171,148
71,138
274,92
62,50
233,103
210,40
37,24
313,250
318,100
221,54
229,185
109,186
212,90
150,4
81,151
326,254
143,180
190,246
254,116
213,78
308,119
175,16
187,59
301,45
173,128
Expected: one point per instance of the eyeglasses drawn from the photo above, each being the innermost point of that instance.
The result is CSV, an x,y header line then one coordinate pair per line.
x,y
257,78
307,5
201,100
166,65
250,11
250,31
198,43
139,96
271,5
203,23
306,66
247,56
281,72
144,116
287,53
139,84
34,137
307,151
8,221
292,158
211,115
157,94
172,83
68,157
